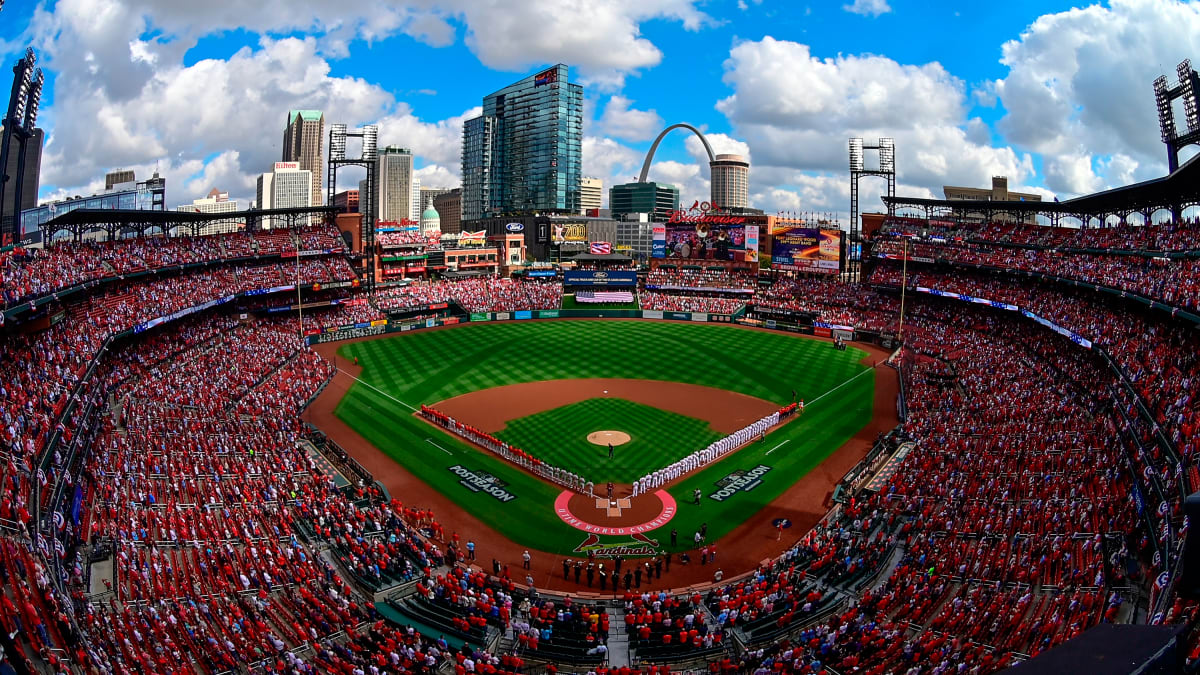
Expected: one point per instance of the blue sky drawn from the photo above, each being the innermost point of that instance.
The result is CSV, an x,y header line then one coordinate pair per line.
x,y
1056,97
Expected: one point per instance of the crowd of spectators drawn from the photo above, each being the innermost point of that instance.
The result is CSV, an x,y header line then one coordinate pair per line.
x,y
1007,528
1174,281
29,273
1155,237
702,280
474,294
403,239
690,303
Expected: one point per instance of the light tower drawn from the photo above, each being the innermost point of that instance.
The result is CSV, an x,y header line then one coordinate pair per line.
x,y
19,122
368,159
1164,95
886,168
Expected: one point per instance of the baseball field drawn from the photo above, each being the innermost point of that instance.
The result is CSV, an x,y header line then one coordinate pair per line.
x,y
544,386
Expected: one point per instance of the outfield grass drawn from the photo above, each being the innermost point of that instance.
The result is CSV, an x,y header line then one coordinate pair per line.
x,y
404,371
569,302
657,438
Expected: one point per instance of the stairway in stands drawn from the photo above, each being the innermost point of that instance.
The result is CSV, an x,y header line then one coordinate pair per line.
x,y
618,640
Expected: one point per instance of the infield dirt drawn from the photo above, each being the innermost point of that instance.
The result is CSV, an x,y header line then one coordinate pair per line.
x,y
804,503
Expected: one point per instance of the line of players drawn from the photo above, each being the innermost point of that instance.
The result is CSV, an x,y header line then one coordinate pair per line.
x,y
700,458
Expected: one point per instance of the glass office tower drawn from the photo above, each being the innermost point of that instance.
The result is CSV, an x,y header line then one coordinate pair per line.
x,y
523,154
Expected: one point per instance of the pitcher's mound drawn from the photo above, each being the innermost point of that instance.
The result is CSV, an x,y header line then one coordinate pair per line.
x,y
606,437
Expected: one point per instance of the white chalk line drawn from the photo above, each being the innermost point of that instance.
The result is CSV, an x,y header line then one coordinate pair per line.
x,y
377,390
430,441
779,446
868,370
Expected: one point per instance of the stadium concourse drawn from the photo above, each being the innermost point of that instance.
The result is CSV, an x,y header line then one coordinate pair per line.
x,y
165,509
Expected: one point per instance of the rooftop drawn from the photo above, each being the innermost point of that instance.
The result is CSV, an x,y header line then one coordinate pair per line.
x,y
306,115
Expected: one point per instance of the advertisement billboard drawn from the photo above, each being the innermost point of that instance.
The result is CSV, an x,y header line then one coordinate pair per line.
x,y
599,278
659,241
806,249
472,238
751,239
705,240
569,233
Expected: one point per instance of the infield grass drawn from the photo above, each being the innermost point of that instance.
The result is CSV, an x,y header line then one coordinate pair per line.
x,y
404,371
657,438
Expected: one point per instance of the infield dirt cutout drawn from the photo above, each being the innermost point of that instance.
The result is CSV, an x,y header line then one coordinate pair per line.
x,y
608,438
490,409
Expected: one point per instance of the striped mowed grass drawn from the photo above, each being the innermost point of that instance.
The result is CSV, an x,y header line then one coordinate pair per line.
x,y
656,438
423,367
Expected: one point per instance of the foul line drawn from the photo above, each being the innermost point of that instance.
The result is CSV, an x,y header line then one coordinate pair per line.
x,y
430,441
778,446
377,390
868,370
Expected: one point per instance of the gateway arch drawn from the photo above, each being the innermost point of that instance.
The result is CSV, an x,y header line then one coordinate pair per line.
x,y
650,155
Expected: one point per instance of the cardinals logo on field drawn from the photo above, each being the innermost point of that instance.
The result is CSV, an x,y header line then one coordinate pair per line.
x,y
641,545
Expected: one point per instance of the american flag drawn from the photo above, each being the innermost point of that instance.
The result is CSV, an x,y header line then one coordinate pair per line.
x,y
601,248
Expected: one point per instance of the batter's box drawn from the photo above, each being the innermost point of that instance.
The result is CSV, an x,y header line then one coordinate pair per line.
x,y
612,507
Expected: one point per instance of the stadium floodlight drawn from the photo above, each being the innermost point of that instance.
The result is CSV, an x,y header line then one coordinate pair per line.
x,y
1166,116
337,142
33,102
856,154
887,154
1187,91
370,142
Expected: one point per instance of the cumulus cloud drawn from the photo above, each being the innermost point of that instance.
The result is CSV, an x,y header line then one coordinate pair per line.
x,y
630,124
123,96
602,38
232,109
1079,86
868,7
795,112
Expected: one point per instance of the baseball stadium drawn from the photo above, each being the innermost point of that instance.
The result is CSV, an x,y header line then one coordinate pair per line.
x,y
956,436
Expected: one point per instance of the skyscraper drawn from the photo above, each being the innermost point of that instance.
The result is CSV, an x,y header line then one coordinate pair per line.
x,y
657,200
303,139
117,177
395,189
730,181
523,154
590,190
287,186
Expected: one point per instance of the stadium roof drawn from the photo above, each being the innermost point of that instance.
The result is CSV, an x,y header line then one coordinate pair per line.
x,y
148,217
1109,649
1179,189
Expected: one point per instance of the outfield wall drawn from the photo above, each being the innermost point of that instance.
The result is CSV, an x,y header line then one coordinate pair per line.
x,y
385,326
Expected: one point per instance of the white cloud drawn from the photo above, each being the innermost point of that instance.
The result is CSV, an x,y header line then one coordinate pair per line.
x,y
438,176
233,109
868,7
438,142
627,123
721,144
1079,83
795,112
124,98
602,38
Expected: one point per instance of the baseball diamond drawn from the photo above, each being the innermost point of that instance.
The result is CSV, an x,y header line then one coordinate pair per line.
x,y
529,401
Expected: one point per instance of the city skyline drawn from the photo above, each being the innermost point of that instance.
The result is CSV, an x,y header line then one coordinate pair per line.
x,y
1056,100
